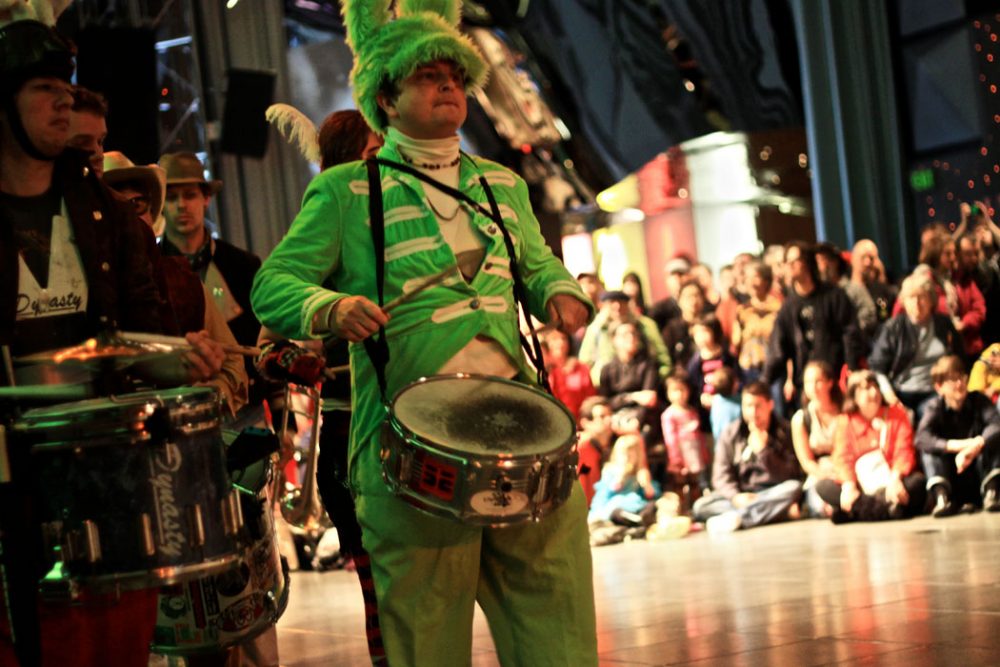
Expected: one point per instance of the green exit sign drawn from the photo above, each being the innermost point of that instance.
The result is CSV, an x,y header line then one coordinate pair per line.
x,y
922,179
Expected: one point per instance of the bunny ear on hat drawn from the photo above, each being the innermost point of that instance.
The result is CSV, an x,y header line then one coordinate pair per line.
x,y
449,10
363,19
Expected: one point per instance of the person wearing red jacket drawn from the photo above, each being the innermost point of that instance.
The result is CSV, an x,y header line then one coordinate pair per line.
x,y
874,459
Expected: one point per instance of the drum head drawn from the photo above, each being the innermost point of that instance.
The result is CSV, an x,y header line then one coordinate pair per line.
x,y
483,415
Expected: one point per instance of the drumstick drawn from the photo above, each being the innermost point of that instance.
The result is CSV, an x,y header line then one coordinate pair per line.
x,y
182,343
436,279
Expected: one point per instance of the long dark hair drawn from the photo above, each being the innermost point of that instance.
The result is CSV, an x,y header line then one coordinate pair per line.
x,y
836,395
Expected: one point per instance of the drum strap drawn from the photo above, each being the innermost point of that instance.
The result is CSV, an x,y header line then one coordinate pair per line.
x,y
533,349
377,346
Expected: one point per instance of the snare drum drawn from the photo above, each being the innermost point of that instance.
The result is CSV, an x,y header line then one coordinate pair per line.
x,y
132,490
222,610
480,449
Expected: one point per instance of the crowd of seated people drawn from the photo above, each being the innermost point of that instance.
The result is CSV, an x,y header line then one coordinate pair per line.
x,y
806,384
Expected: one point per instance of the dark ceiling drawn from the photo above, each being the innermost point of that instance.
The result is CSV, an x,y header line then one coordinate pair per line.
x,y
630,78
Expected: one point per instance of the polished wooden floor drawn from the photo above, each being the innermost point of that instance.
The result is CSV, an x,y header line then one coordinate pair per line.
x,y
911,593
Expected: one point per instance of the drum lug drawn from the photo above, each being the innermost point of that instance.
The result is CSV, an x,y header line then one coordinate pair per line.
x,y
405,467
92,541
232,513
148,539
538,467
197,526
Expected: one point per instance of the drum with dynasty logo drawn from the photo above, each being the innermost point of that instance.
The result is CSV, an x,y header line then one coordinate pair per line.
x,y
132,490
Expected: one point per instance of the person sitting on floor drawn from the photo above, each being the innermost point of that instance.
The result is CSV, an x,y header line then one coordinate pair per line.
x,y
814,428
621,496
755,476
726,406
876,475
687,453
959,443
594,443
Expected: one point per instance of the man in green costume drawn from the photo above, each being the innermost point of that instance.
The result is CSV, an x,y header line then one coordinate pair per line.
x,y
532,580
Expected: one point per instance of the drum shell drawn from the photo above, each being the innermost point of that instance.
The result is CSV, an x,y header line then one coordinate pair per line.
x,y
143,476
221,610
473,488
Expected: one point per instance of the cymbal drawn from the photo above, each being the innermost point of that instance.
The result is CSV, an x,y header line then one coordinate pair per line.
x,y
113,351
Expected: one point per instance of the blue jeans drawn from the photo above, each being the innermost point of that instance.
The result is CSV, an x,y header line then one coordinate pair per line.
x,y
969,486
770,506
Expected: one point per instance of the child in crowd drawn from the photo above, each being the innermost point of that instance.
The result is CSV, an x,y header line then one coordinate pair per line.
x,y
814,428
623,496
710,355
594,442
985,376
687,455
569,377
725,400
959,442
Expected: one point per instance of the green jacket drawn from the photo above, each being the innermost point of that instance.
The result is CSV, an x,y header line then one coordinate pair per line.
x,y
328,254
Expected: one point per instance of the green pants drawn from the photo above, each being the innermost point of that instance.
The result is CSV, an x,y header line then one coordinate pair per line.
x,y
533,582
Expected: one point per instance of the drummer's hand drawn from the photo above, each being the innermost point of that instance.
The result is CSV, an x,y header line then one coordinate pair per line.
x,y
205,361
567,313
355,318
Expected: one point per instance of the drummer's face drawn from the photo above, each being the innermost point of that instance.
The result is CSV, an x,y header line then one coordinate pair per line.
x,y
184,209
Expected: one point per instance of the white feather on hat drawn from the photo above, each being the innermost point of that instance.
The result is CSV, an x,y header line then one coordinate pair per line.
x,y
296,127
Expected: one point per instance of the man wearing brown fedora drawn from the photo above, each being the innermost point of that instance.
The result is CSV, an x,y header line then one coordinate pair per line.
x,y
188,302
226,270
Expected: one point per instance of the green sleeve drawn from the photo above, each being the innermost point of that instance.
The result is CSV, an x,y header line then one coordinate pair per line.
x,y
543,273
287,290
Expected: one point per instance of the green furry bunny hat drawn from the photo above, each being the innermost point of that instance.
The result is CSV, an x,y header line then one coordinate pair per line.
x,y
387,50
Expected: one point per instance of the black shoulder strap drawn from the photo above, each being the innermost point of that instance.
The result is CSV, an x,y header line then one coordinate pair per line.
x,y
377,346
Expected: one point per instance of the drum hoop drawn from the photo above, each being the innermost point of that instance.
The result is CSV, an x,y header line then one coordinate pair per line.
x,y
111,420
407,435
160,576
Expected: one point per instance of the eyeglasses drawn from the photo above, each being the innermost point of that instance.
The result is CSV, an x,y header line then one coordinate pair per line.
x,y
140,203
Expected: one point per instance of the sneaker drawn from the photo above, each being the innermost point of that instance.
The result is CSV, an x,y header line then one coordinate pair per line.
x,y
727,522
991,499
669,528
942,502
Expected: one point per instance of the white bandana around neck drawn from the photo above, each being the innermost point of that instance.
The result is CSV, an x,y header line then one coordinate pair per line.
x,y
66,293
454,221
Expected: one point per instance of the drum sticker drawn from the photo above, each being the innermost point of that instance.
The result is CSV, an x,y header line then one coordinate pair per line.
x,y
211,595
197,603
162,468
498,503
435,477
173,606
242,613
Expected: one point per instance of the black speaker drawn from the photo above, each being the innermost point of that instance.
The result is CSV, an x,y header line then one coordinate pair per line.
x,y
121,64
945,104
248,95
917,16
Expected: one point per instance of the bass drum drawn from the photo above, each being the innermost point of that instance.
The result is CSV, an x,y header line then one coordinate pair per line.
x,y
213,613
